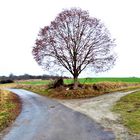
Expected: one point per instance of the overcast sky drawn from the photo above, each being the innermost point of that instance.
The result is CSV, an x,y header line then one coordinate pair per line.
x,y
21,20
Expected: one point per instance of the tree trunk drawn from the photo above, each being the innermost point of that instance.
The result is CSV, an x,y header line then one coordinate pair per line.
x,y
75,82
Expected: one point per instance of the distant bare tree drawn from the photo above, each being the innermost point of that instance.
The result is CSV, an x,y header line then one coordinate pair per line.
x,y
75,41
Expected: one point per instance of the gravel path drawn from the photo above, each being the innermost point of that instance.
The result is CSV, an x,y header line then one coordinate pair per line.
x,y
99,109
45,119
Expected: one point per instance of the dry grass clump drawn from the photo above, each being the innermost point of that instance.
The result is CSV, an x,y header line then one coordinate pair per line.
x,y
83,90
107,86
71,94
42,89
10,107
31,87
89,90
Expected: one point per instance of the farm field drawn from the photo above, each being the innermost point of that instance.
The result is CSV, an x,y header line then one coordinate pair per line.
x,y
86,80
105,79
34,82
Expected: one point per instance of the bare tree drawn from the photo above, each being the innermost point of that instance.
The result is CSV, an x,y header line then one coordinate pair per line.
x,y
75,41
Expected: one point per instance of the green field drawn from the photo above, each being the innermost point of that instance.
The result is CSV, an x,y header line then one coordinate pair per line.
x,y
38,82
107,79
129,108
86,80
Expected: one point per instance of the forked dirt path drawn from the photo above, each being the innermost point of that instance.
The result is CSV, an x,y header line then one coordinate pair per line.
x,y
45,119
99,109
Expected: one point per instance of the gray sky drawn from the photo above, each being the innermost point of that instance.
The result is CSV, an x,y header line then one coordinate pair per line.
x,y
21,20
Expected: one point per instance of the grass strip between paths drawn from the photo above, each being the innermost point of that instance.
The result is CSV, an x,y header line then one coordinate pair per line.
x,y
129,109
87,91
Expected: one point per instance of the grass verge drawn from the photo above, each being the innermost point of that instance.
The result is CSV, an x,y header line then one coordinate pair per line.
x,y
129,109
10,107
85,91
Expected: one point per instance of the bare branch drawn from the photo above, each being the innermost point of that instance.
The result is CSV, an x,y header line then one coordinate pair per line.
x,y
75,41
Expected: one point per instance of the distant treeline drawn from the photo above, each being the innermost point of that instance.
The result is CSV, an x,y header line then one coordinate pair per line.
x,y
28,77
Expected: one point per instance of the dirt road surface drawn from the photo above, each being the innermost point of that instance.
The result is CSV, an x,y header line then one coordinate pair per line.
x,y
45,119
99,109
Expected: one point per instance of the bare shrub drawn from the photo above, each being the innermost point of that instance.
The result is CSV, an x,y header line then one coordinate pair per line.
x,y
56,83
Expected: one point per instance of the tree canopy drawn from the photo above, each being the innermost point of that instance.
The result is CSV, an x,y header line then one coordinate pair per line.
x,y
75,41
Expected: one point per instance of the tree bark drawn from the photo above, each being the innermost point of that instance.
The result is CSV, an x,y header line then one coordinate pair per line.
x,y
75,82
